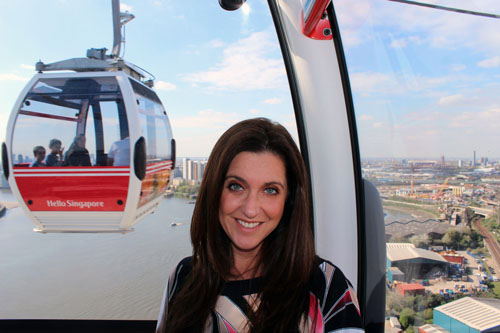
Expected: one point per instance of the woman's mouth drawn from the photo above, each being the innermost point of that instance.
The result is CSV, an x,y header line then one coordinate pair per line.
x,y
249,225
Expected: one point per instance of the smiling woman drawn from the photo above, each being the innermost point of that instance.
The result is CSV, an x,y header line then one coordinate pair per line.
x,y
251,206
254,267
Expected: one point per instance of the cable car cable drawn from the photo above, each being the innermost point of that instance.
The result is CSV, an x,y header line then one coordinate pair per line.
x,y
451,9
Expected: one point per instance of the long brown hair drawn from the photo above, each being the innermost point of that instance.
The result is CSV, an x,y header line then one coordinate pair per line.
x,y
287,255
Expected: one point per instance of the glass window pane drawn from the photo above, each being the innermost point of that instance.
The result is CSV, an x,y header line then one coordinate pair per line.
x,y
426,100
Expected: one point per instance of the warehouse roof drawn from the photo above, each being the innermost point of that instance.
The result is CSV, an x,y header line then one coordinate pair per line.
x,y
478,313
432,328
407,251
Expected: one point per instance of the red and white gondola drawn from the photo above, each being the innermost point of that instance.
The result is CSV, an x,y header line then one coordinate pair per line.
x,y
119,155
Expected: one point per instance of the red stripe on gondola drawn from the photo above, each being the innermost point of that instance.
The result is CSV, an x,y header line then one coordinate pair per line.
x,y
74,193
45,115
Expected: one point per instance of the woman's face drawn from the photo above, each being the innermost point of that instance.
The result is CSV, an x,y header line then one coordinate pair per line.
x,y
253,199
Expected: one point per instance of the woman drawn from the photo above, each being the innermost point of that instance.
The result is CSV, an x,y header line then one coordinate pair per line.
x,y
77,154
254,267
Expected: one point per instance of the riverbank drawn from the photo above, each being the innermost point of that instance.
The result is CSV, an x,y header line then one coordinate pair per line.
x,y
414,212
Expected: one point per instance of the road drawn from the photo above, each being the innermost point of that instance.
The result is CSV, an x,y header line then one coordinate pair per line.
x,y
490,241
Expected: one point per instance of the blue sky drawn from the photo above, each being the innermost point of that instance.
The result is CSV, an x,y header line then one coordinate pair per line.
x,y
425,82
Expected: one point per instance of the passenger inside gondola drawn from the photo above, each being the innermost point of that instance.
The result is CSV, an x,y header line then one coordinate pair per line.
x,y
77,154
119,153
55,157
39,153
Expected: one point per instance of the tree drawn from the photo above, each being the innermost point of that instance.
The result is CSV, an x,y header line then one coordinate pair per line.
x,y
399,239
421,241
428,314
407,317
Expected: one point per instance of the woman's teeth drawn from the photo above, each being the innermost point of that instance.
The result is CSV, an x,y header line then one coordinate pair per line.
x,y
246,224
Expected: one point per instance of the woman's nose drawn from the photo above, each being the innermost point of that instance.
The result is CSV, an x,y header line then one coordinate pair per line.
x,y
250,206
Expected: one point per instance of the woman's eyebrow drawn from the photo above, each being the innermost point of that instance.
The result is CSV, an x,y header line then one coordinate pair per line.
x,y
235,177
265,184
275,183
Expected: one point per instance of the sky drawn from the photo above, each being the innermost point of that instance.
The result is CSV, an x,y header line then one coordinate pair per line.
x,y
425,82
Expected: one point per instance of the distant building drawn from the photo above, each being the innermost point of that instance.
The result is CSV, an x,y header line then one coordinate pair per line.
x,y
193,170
460,163
177,173
420,164
474,159
410,289
453,258
177,181
414,262
392,325
432,328
185,168
189,170
395,274
469,314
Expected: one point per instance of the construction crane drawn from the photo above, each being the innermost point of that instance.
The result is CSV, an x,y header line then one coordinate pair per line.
x,y
440,193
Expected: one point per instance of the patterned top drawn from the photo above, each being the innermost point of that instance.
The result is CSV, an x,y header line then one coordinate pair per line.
x,y
331,294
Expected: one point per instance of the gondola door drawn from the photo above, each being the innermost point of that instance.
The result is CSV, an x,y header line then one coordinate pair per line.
x,y
154,129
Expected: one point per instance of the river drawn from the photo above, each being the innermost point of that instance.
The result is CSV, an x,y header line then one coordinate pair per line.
x,y
90,276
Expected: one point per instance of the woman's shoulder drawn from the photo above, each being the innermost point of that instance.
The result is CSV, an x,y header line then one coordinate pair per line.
x,y
329,281
335,295
326,270
183,268
178,276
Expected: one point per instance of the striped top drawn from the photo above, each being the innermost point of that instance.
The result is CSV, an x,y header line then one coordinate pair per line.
x,y
331,298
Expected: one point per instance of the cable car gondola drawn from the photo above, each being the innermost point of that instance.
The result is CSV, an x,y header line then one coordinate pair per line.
x,y
119,151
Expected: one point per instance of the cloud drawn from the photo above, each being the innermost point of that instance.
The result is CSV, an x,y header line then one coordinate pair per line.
x,y
30,67
403,42
490,62
461,100
370,82
216,43
12,77
360,22
165,86
125,8
273,101
398,43
255,111
458,67
451,100
245,66
206,119
365,117
378,124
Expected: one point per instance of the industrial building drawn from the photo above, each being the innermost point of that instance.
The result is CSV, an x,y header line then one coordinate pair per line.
x,y
395,274
432,328
414,262
469,314
410,289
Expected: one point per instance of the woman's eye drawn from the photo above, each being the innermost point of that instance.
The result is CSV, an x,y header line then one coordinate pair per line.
x,y
235,187
271,190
